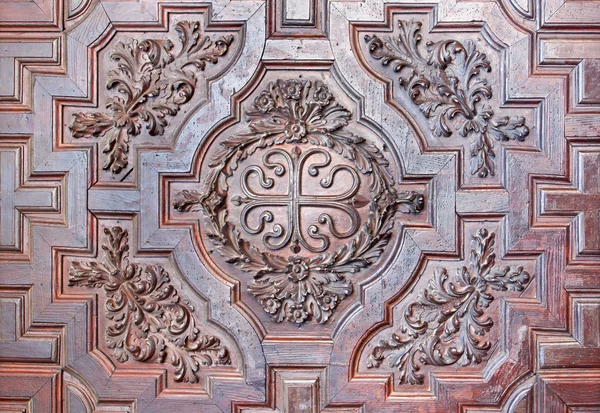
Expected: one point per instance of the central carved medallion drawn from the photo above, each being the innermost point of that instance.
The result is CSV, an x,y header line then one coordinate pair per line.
x,y
297,179
297,196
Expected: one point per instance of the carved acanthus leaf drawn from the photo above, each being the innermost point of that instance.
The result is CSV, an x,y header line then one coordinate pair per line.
x,y
152,81
147,319
447,323
447,85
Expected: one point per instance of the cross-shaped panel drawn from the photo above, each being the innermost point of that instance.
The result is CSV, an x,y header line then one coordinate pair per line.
x,y
584,202
18,197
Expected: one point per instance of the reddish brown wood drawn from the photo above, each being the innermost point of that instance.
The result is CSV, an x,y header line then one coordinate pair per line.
x,y
299,206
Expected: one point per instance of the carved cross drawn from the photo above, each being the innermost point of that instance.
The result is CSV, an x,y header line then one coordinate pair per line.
x,y
585,202
294,199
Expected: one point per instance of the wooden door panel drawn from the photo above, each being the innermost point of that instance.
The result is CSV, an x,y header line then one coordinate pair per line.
x,y
299,206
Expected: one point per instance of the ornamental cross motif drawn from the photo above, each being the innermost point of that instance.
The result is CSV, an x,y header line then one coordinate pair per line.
x,y
304,115
294,199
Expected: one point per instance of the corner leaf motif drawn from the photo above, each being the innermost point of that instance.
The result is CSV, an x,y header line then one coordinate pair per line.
x,y
447,323
298,288
147,319
446,84
152,81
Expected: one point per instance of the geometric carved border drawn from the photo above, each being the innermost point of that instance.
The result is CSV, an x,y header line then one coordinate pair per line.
x,y
297,18
21,57
39,14
19,341
24,198
29,390
297,389
576,207
550,69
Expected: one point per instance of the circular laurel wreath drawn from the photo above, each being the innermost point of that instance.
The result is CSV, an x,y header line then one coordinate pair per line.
x,y
298,288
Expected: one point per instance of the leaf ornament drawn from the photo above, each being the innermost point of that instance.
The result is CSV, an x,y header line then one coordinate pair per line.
x,y
447,323
147,319
446,82
151,82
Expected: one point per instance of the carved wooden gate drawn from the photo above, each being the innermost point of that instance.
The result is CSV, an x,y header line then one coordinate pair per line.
x,y
300,206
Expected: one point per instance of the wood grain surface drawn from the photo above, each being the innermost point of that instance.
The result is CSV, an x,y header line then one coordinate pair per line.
x,y
299,206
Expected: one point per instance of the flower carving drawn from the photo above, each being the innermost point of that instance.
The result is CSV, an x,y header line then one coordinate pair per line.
x,y
296,111
447,323
299,288
295,130
447,85
148,321
297,269
264,102
322,96
291,89
153,81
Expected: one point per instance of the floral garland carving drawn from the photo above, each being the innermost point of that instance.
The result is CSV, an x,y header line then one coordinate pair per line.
x,y
148,321
300,288
153,81
447,86
447,324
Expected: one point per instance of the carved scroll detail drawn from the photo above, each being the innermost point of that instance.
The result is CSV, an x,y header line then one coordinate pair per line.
x,y
148,320
448,87
447,323
153,81
297,288
294,199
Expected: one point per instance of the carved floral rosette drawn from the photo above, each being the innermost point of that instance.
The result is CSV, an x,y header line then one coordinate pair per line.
x,y
297,288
